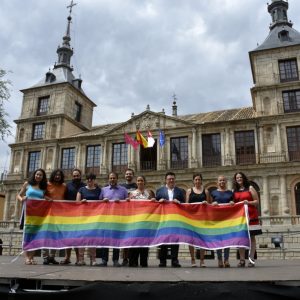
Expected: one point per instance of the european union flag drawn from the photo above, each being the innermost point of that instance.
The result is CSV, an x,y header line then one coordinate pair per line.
x,y
161,138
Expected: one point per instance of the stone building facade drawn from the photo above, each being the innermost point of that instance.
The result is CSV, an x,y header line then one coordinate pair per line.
x,y
55,131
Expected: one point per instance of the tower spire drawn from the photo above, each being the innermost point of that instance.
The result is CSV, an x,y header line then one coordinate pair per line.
x,y
65,51
278,11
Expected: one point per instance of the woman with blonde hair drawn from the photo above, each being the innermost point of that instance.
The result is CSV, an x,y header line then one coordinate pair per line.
x,y
141,193
222,196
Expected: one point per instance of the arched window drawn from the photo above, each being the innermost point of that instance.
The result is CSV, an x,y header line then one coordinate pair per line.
x,y
297,198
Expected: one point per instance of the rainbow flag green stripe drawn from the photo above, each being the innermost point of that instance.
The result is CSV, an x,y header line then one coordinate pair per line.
x,y
66,224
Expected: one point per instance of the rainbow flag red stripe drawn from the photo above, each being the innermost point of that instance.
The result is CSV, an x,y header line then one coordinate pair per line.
x,y
66,224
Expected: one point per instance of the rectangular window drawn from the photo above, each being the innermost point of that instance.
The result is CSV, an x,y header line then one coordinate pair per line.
x,y
288,70
68,159
119,157
179,153
293,141
78,108
211,150
34,162
291,101
43,106
244,147
93,157
38,131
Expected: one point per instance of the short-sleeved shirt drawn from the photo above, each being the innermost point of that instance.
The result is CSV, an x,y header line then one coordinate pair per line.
x,y
129,186
222,196
56,191
89,194
117,192
72,189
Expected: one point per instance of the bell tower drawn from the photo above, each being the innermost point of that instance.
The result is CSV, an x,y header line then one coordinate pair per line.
x,y
275,65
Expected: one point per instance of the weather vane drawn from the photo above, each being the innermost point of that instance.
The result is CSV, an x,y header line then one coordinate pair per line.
x,y
71,6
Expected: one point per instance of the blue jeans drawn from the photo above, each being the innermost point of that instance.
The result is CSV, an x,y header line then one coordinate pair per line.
x,y
226,254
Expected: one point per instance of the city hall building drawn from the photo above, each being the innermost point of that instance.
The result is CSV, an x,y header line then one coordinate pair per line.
x,y
55,130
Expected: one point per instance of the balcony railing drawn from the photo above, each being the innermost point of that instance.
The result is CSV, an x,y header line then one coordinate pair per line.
x,y
294,155
148,165
211,161
179,164
119,168
246,159
93,170
266,158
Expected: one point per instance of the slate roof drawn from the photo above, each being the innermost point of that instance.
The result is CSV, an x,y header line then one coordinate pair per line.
x,y
273,40
221,115
201,118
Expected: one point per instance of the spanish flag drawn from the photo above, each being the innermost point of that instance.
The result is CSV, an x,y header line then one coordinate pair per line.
x,y
141,140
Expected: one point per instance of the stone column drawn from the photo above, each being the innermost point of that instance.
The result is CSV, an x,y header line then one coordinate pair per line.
x,y
103,168
79,163
265,206
16,212
260,145
200,147
131,163
228,152
284,201
194,162
167,153
22,170
279,138
6,206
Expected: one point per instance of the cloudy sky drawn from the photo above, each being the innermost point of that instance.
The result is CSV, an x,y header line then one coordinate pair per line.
x,y
131,53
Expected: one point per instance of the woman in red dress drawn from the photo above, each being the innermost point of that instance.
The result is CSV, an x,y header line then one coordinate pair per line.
x,y
244,192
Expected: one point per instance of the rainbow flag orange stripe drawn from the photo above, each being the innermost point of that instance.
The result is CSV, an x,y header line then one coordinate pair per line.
x,y
66,224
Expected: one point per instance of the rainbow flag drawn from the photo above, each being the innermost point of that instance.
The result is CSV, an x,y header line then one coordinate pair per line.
x,y
66,224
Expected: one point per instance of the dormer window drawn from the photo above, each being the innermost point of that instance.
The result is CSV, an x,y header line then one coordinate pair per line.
x,y
50,77
284,36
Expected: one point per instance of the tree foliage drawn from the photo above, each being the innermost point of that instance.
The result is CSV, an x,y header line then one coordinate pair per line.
x,y
4,96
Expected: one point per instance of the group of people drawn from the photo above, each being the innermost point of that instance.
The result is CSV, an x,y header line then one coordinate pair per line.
x,y
37,187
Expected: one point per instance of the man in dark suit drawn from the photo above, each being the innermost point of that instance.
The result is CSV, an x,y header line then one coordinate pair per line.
x,y
170,193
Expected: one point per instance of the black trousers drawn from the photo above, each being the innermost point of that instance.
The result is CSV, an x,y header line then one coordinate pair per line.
x,y
135,254
164,253
105,251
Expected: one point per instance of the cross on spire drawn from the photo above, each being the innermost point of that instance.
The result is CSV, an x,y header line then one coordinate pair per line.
x,y
71,6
